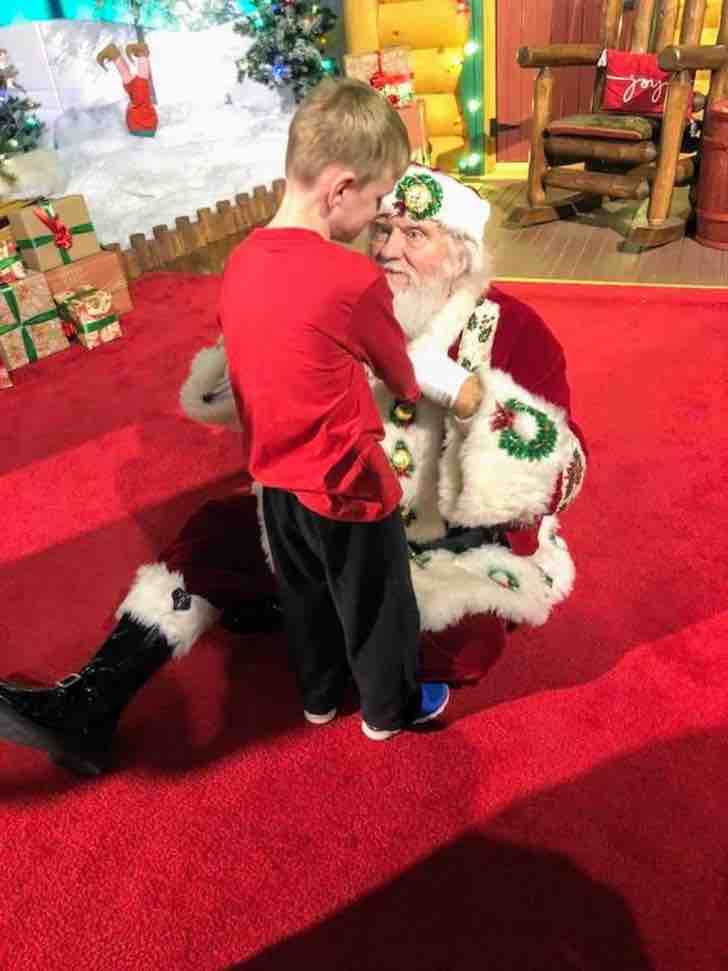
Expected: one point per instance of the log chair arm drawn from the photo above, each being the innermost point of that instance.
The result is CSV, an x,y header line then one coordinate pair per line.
x,y
686,57
561,55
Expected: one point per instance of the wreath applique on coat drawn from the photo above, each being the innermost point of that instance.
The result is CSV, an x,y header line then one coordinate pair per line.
x,y
533,449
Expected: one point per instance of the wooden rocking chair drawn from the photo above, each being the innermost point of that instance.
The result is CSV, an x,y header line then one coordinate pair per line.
x,y
626,156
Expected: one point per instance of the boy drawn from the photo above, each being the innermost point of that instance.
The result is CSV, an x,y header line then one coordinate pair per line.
x,y
301,318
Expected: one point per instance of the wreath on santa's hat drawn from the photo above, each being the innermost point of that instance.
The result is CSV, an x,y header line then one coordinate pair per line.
x,y
419,196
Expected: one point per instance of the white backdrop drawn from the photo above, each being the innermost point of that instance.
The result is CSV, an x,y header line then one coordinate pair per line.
x,y
56,61
216,137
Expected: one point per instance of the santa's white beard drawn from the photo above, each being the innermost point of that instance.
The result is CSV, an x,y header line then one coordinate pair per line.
x,y
415,307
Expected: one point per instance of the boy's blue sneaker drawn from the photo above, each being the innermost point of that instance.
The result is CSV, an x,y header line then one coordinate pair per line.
x,y
435,697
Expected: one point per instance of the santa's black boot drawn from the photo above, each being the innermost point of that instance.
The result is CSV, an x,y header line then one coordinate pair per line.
x,y
75,720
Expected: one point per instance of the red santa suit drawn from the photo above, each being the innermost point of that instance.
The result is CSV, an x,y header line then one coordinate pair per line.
x,y
497,484
479,499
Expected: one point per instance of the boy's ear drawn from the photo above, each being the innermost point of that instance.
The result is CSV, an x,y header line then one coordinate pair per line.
x,y
340,180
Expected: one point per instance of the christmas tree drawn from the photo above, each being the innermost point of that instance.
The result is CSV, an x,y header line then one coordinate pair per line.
x,y
20,128
289,41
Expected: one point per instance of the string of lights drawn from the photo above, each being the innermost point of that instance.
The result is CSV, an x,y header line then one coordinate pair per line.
x,y
471,90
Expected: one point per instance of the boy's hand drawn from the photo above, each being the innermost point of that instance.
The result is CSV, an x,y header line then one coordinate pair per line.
x,y
469,399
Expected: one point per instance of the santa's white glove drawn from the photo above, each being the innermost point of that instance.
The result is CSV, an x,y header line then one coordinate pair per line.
x,y
439,377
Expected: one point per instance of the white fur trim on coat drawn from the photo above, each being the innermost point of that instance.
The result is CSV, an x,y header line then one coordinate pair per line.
x,y
522,589
425,437
208,378
447,324
149,602
494,486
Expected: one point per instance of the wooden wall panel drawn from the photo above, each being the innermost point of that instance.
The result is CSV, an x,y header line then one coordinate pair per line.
x,y
517,24
535,23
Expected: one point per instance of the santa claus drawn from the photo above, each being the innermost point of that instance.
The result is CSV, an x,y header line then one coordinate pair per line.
x,y
479,496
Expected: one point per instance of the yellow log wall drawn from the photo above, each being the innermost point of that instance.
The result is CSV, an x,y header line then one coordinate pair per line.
x,y
435,33
709,36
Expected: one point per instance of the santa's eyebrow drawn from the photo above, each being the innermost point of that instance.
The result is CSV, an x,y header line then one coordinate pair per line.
x,y
385,222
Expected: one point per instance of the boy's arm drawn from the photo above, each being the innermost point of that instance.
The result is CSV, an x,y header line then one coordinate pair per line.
x,y
379,339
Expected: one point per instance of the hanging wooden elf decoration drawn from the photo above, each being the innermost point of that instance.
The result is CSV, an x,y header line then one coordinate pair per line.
x,y
141,116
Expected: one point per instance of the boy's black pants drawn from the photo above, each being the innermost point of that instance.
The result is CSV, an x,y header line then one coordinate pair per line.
x,y
349,607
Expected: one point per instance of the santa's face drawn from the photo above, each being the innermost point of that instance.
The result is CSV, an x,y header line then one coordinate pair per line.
x,y
412,253
419,261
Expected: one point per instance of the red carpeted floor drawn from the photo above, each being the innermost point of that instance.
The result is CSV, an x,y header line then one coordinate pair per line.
x,y
569,815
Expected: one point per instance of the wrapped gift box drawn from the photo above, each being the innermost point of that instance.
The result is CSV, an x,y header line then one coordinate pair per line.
x,y
6,208
361,67
5,379
104,271
6,235
398,89
11,266
395,60
90,311
51,233
30,327
390,62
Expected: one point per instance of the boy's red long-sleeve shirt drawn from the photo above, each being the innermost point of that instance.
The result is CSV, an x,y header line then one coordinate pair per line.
x,y
301,318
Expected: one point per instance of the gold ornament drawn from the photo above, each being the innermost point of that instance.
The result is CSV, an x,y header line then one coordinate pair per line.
x,y
402,459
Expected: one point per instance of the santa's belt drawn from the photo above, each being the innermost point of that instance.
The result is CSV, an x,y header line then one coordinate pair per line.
x,y
458,539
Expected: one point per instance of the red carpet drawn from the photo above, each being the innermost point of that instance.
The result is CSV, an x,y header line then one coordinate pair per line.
x,y
571,815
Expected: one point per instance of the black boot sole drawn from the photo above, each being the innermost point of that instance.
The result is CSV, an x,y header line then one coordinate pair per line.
x,y
22,731
80,764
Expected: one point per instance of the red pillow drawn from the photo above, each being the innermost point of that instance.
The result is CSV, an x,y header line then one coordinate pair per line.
x,y
635,84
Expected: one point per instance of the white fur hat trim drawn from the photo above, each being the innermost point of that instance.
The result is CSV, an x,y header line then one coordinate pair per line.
x,y
455,206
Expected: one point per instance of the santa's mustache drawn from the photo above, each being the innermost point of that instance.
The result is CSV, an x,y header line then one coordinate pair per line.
x,y
397,266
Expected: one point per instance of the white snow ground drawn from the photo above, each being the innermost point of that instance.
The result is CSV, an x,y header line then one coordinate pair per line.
x,y
215,138
197,157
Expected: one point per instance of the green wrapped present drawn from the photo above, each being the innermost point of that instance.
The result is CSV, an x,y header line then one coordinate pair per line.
x,y
90,310
54,233
30,327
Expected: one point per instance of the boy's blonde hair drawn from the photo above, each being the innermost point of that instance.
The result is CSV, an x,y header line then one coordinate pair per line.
x,y
348,123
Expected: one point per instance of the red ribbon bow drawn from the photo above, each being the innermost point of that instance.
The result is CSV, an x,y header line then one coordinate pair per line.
x,y
61,233
503,418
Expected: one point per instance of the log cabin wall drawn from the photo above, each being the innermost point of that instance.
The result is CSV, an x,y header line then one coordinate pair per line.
x,y
538,23
435,31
